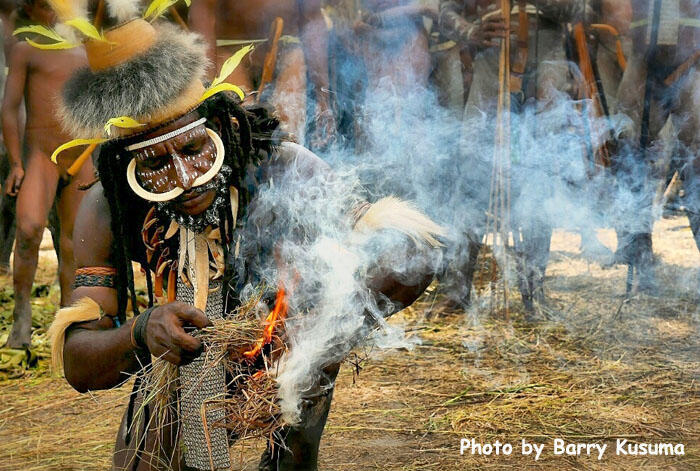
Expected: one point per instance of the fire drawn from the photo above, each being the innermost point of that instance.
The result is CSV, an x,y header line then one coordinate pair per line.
x,y
277,315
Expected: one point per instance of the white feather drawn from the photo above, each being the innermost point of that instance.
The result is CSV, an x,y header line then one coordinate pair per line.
x,y
123,10
393,213
68,33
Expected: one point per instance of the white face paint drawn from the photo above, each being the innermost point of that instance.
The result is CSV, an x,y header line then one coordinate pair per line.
x,y
162,172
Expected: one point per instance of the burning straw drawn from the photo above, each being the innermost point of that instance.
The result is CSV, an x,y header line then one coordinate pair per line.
x,y
248,349
249,358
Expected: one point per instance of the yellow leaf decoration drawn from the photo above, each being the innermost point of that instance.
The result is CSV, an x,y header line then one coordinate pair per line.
x,y
74,143
85,27
231,64
221,88
123,122
40,30
157,7
52,46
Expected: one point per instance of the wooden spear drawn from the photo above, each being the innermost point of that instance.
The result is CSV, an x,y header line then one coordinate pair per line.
x,y
499,198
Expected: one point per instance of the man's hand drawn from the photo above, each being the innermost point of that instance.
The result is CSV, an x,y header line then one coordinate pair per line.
x,y
14,180
165,334
487,32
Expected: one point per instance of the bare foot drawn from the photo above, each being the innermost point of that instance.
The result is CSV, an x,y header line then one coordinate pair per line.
x,y
21,333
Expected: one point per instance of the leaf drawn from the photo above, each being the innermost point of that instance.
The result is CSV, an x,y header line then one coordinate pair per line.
x,y
75,143
124,122
221,88
85,27
188,3
157,7
40,30
231,64
52,46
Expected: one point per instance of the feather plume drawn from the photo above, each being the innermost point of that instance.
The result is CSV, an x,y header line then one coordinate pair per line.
x,y
132,89
123,10
157,8
83,310
393,213
230,65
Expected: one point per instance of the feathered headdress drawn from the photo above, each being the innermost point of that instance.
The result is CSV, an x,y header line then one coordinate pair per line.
x,y
141,73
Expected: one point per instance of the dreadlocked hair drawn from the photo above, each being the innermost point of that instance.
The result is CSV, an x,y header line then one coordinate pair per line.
x,y
248,136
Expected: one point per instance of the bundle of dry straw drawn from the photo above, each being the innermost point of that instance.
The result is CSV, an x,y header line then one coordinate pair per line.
x,y
247,345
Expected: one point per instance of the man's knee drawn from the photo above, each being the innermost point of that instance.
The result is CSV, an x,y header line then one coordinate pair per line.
x,y
29,233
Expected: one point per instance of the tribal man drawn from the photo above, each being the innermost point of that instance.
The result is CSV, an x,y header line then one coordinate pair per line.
x,y
282,61
661,81
179,192
36,76
539,77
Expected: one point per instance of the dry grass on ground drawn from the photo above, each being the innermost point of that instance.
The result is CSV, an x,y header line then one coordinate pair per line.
x,y
595,368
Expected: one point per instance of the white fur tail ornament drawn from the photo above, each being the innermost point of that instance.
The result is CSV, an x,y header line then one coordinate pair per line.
x,y
123,10
83,310
392,213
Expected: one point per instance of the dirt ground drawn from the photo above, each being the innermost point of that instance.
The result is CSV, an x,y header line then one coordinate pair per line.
x,y
594,368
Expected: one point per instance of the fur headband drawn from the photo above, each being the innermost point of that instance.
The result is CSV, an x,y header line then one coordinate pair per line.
x,y
139,88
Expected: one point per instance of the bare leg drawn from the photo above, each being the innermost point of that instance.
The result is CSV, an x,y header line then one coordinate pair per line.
x,y
303,441
33,205
7,219
69,198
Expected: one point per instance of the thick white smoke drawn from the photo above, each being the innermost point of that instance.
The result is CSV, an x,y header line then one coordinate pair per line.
x,y
408,145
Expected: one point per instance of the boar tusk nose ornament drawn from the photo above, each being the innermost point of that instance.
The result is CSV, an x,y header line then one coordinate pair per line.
x,y
175,192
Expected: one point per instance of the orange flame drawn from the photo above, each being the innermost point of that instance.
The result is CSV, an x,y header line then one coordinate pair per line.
x,y
277,315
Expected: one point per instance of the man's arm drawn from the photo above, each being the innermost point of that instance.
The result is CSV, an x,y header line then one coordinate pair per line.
x,y
402,288
404,246
14,93
96,354
314,38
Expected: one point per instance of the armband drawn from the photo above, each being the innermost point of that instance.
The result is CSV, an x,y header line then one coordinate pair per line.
x,y
95,276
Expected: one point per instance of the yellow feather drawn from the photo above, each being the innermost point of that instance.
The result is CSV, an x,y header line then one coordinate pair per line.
x,y
221,88
74,143
85,27
124,122
52,46
40,30
157,7
231,64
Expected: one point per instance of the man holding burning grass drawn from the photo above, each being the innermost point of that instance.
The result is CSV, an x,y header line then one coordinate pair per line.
x,y
226,219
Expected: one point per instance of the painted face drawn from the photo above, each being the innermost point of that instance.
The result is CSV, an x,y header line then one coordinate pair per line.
x,y
178,162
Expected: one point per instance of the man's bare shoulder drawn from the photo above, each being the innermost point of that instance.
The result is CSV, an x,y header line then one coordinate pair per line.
x,y
55,62
92,234
21,51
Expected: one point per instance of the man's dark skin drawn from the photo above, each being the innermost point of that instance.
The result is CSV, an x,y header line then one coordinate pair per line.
x,y
251,19
99,356
37,77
